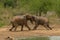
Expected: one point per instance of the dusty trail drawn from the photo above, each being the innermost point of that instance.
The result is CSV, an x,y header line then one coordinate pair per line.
x,y
41,31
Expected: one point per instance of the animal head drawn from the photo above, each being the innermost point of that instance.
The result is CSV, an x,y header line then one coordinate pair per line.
x,y
30,18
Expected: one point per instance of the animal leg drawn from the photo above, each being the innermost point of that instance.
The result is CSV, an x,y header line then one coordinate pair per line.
x,y
11,28
36,25
28,27
22,28
15,28
49,27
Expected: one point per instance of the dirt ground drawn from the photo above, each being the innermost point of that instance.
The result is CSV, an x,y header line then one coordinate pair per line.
x,y
41,31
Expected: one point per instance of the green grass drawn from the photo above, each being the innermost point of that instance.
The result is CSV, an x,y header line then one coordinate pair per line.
x,y
36,38
1,24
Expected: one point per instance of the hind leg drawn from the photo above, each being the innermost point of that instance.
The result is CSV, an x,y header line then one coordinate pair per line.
x,y
27,26
36,25
47,26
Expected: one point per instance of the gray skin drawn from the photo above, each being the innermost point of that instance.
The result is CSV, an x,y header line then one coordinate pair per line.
x,y
18,21
42,21
39,21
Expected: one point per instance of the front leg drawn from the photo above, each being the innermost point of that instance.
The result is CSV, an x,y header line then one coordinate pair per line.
x,y
15,28
12,27
21,27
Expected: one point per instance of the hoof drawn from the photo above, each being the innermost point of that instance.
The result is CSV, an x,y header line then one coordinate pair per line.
x,y
10,30
21,30
51,29
29,29
34,29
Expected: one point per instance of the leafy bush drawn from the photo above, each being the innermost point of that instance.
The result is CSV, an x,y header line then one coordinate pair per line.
x,y
10,3
34,7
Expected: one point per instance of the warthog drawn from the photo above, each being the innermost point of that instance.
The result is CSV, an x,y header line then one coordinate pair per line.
x,y
18,20
39,21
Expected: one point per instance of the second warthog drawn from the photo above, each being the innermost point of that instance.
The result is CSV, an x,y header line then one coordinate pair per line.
x,y
39,21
